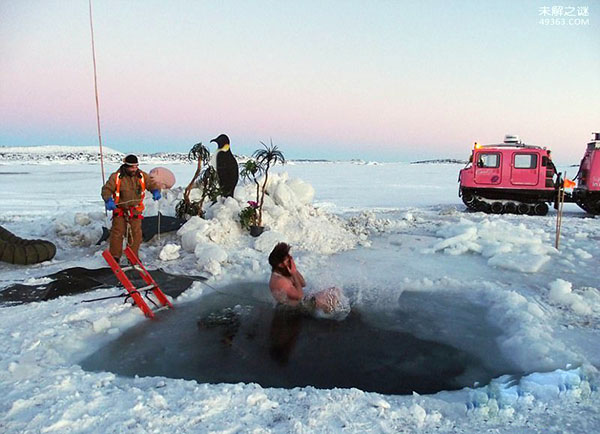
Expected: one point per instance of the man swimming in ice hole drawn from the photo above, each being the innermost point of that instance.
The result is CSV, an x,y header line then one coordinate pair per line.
x,y
287,282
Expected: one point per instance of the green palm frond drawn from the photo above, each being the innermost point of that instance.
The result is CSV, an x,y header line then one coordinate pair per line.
x,y
199,152
269,156
250,170
265,159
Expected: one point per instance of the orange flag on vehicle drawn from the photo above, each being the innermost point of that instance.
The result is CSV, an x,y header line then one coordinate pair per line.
x,y
568,183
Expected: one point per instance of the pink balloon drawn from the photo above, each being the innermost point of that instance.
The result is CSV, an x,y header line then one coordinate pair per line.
x,y
162,177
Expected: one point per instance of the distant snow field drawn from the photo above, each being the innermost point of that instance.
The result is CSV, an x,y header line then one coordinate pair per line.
x,y
394,236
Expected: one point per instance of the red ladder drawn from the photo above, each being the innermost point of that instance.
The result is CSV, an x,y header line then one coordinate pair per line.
x,y
134,292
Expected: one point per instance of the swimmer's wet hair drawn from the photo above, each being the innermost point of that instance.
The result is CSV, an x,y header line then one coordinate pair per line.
x,y
279,253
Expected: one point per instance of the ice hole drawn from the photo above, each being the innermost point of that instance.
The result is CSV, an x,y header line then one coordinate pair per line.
x,y
424,344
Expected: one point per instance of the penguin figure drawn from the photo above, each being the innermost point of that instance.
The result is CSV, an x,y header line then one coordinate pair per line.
x,y
226,165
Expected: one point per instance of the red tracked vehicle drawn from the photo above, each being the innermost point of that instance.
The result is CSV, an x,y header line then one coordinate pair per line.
x,y
587,192
513,177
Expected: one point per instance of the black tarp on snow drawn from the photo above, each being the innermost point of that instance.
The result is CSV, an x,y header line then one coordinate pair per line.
x,y
78,280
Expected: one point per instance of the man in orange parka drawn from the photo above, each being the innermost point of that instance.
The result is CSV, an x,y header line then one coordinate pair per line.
x,y
124,194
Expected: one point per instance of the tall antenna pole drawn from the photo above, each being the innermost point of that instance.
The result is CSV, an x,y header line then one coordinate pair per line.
x,y
96,92
561,202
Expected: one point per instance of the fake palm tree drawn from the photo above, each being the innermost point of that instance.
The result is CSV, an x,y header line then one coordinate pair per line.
x,y
201,154
265,159
251,170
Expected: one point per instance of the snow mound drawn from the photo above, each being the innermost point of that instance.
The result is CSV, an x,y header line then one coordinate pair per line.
x,y
80,229
288,215
367,223
169,252
503,396
561,292
527,337
84,229
506,245
288,210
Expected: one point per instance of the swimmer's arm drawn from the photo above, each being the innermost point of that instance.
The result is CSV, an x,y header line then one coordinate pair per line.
x,y
300,279
293,291
297,277
286,288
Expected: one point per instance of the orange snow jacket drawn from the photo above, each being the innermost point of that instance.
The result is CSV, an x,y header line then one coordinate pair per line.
x,y
131,189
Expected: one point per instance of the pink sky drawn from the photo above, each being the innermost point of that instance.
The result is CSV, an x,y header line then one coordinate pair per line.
x,y
391,80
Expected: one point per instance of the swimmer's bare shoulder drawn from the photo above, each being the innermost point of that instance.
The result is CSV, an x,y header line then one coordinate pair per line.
x,y
283,289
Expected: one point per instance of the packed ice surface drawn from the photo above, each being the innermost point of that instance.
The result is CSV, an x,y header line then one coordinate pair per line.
x,y
382,232
506,245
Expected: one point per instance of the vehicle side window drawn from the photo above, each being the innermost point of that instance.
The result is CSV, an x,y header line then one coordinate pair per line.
x,y
488,160
526,161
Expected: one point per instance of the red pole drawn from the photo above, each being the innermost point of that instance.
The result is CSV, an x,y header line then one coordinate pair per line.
x,y
96,92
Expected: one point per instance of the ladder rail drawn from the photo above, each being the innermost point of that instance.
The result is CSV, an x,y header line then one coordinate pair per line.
x,y
133,292
145,275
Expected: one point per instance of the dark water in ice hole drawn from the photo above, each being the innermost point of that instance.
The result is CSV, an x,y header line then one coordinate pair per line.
x,y
239,337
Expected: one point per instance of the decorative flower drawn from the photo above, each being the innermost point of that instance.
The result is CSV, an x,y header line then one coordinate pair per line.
x,y
253,204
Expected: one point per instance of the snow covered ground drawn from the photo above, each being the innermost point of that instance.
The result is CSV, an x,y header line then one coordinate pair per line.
x,y
386,233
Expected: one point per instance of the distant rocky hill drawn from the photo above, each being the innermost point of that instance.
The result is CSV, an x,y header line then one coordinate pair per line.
x,y
89,154
66,154
440,161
